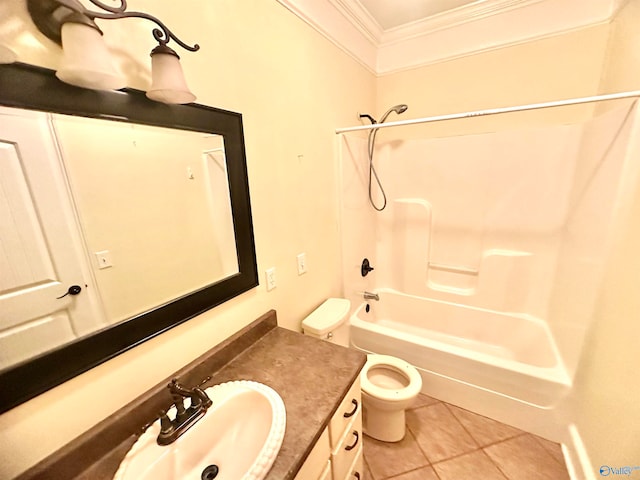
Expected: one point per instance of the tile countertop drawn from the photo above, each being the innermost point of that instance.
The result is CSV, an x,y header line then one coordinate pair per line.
x,y
311,376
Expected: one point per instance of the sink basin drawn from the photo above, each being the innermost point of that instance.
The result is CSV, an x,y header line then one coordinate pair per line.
x,y
240,434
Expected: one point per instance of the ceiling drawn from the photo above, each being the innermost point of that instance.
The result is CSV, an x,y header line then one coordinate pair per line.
x,y
394,13
389,36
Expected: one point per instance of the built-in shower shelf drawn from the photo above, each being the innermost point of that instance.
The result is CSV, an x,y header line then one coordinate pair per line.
x,y
454,268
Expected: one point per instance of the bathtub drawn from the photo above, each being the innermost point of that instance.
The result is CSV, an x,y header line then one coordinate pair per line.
x,y
503,365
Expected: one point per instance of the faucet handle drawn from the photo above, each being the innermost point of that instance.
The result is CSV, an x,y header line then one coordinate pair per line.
x,y
196,401
365,267
202,398
181,411
166,426
196,395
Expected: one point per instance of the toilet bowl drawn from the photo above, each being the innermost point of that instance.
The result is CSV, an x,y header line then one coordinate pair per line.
x,y
389,385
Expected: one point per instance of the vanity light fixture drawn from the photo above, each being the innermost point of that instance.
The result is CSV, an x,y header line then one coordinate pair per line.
x,y
86,61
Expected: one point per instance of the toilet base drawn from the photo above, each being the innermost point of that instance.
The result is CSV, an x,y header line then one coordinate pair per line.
x,y
383,425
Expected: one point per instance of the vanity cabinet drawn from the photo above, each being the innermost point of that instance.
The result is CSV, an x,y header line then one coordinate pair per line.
x,y
345,434
315,466
338,453
268,354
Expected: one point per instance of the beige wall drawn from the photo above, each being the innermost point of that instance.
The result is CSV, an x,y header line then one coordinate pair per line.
x,y
605,402
293,88
553,68
135,199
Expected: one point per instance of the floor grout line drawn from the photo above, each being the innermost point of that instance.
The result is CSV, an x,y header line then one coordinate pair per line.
x,y
367,467
538,440
426,406
457,456
479,447
447,406
521,432
415,438
504,474
408,471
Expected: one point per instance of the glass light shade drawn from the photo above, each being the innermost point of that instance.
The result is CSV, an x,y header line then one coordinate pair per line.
x,y
86,62
7,55
168,84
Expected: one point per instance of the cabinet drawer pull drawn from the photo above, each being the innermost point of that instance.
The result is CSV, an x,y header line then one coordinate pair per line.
x,y
357,475
352,412
351,447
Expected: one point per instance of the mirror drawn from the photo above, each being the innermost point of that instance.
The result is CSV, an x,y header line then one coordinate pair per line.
x,y
81,207
149,205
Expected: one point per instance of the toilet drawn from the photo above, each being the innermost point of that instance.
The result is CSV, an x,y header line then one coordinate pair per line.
x,y
389,385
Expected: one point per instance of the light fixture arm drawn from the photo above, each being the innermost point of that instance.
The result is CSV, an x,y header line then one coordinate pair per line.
x,y
162,34
49,15
108,8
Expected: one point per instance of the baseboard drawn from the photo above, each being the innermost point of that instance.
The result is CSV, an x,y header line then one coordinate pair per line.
x,y
576,457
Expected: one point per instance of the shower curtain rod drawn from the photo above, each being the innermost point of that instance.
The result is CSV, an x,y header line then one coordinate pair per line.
x,y
493,111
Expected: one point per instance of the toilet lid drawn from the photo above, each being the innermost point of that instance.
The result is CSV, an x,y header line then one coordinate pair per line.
x,y
398,365
327,316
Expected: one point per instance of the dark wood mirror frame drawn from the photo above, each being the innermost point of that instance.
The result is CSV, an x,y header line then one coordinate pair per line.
x,y
30,87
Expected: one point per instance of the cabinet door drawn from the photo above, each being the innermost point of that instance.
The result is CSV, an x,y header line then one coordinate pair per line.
x,y
326,473
356,472
346,453
349,408
316,462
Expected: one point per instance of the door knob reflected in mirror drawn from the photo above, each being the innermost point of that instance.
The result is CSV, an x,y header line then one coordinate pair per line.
x,y
73,290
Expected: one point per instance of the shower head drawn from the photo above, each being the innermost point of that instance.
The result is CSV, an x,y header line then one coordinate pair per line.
x,y
400,108
397,108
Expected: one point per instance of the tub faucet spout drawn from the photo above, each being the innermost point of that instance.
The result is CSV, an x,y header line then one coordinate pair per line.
x,y
371,296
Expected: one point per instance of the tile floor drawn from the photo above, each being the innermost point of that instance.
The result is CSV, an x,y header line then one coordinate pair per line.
x,y
444,442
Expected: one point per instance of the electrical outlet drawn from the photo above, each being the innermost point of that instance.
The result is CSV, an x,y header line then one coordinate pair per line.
x,y
271,278
302,263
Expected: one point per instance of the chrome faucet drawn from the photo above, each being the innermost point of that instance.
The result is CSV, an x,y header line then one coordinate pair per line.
x,y
186,417
371,296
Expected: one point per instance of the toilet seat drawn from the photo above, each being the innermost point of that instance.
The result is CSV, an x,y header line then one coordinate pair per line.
x,y
393,363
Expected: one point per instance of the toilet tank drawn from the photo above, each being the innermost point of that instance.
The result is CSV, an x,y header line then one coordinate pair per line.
x,y
328,321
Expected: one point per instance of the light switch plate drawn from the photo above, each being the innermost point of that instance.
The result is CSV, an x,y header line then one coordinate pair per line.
x,y
104,259
302,263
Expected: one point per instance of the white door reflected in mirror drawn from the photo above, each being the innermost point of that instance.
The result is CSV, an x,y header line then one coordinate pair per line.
x,y
140,215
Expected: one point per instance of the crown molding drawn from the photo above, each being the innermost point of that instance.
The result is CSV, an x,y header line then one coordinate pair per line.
x,y
332,22
452,18
513,25
619,5
361,18
478,27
